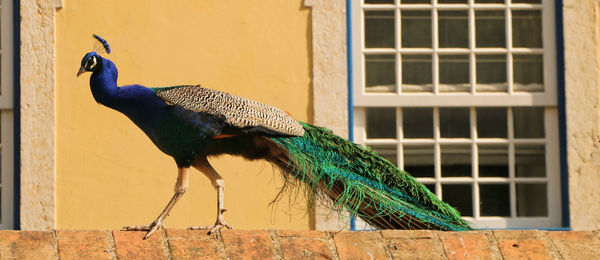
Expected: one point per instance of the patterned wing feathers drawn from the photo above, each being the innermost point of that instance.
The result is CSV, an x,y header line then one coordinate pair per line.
x,y
238,111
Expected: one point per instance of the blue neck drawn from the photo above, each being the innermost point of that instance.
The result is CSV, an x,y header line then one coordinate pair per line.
x,y
103,83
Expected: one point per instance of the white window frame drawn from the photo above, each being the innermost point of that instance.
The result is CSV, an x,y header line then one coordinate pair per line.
x,y
7,194
546,99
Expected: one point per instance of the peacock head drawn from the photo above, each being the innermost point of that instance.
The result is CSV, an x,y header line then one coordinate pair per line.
x,y
89,63
91,60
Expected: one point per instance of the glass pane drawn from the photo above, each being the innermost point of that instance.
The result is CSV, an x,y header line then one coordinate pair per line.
x,y
527,1
491,73
532,200
415,1
528,73
530,160
529,122
459,196
456,160
493,160
388,152
455,122
489,1
379,1
494,200
418,160
379,29
452,1
381,122
417,122
491,122
490,29
527,29
454,73
416,73
453,29
380,73
416,29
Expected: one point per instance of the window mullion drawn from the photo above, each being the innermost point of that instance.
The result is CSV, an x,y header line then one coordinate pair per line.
x,y
437,158
511,164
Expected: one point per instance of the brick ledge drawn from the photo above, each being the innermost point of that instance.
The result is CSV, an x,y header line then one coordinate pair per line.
x,y
287,244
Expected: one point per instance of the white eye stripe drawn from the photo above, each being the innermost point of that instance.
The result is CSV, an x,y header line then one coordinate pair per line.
x,y
93,60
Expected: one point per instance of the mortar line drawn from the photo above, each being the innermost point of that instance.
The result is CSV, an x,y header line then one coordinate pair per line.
x,y
112,250
276,245
332,247
55,243
165,243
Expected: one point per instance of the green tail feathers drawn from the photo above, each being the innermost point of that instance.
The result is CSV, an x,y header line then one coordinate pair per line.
x,y
365,184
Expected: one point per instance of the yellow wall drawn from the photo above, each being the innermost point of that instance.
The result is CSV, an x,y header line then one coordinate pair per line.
x,y
109,174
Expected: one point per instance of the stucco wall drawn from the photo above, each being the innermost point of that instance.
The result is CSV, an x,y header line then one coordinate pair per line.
x,y
582,80
109,174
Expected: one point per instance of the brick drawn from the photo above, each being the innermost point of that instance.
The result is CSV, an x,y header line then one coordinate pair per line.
x,y
131,245
193,244
360,245
576,244
248,244
523,244
83,244
27,245
301,233
303,244
415,244
466,245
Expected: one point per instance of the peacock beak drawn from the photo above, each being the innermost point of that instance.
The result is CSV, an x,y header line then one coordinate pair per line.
x,y
81,71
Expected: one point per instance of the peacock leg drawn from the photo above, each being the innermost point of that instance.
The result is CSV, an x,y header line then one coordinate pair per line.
x,y
219,184
180,187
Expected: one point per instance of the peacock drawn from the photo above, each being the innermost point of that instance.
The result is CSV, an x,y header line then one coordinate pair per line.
x,y
191,123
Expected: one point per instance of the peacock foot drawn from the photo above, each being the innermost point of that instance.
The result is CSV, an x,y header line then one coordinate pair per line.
x,y
150,228
216,227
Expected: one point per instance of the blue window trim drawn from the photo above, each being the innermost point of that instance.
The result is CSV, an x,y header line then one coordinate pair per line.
x,y
562,121
562,126
17,112
350,83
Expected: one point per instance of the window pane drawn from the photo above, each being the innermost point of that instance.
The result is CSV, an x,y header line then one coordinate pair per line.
x,y
456,160
459,196
494,200
379,29
416,73
489,1
455,122
527,29
530,160
490,29
528,73
493,160
380,73
418,160
527,1
491,122
415,1
416,29
417,122
454,73
381,122
379,1
491,73
532,200
388,152
453,29
529,122
452,1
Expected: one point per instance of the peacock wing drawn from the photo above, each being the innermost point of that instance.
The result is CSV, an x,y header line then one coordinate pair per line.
x,y
236,111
